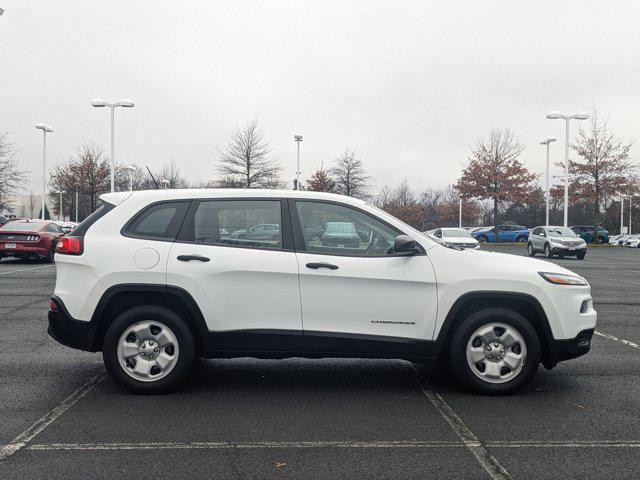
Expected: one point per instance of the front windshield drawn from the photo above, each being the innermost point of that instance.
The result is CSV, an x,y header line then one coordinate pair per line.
x,y
561,232
455,234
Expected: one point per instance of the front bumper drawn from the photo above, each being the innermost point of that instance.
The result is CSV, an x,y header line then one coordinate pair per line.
x,y
559,350
68,331
567,251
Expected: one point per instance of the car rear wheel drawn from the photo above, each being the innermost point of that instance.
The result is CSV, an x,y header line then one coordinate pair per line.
x,y
49,257
148,350
530,250
495,352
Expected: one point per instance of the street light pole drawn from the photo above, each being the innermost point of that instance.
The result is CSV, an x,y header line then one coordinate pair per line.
x,y
45,129
621,215
131,169
576,116
76,206
547,141
60,211
98,103
298,139
460,214
630,210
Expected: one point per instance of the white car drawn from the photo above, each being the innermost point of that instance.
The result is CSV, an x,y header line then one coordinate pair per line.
x,y
632,241
455,237
152,279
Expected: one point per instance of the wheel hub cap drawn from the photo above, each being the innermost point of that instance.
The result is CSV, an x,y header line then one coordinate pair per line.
x,y
496,352
148,350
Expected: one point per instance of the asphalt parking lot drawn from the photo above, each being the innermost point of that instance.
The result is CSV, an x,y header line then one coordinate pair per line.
x,y
61,417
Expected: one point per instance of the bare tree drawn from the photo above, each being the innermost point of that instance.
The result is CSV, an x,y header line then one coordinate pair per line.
x,y
12,178
87,172
171,172
349,175
247,161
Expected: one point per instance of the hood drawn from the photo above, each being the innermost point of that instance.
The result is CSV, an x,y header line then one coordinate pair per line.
x,y
488,259
565,239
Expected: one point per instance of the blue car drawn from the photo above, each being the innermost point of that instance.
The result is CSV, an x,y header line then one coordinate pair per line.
x,y
506,233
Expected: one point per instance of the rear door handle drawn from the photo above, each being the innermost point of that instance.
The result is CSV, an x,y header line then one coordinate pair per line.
x,y
188,258
316,266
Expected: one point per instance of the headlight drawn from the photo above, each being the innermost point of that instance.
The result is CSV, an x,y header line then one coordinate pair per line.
x,y
562,279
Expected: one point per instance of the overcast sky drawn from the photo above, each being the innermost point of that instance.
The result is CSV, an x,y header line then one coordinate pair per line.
x,y
408,85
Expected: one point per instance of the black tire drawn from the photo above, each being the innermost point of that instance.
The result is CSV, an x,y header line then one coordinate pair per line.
x,y
547,251
49,258
530,251
462,369
580,256
521,239
600,240
185,346
483,239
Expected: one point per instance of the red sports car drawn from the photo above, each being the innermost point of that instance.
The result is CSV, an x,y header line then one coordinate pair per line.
x,y
29,239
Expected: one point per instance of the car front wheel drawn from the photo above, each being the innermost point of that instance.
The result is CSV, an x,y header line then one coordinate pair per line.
x,y
495,351
547,251
148,350
530,250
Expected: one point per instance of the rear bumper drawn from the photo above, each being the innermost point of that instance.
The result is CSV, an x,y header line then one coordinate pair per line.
x,y
23,250
559,350
68,331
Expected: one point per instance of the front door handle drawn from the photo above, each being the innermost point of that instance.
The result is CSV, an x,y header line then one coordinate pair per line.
x,y
188,258
316,266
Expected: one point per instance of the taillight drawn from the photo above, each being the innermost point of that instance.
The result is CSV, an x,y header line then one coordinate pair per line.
x,y
69,245
53,306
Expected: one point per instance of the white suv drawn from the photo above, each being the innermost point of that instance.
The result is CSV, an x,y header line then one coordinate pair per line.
x,y
155,278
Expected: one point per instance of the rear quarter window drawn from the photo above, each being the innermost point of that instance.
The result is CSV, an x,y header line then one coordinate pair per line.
x,y
161,221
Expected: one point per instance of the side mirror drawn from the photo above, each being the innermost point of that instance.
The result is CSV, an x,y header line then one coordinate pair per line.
x,y
405,245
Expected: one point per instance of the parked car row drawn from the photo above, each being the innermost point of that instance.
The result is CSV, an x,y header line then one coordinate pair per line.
x,y
627,240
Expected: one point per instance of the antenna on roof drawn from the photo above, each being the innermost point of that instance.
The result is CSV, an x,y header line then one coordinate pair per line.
x,y
152,177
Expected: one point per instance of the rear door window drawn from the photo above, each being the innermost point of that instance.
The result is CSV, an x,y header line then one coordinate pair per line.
x,y
238,223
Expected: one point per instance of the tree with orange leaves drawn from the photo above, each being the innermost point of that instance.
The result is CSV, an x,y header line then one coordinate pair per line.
x,y
495,173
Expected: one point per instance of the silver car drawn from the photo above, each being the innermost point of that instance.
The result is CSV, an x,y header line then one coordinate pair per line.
x,y
560,241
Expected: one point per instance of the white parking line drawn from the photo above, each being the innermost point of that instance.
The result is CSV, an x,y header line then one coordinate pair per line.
x,y
611,337
43,422
486,460
241,445
26,269
334,444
